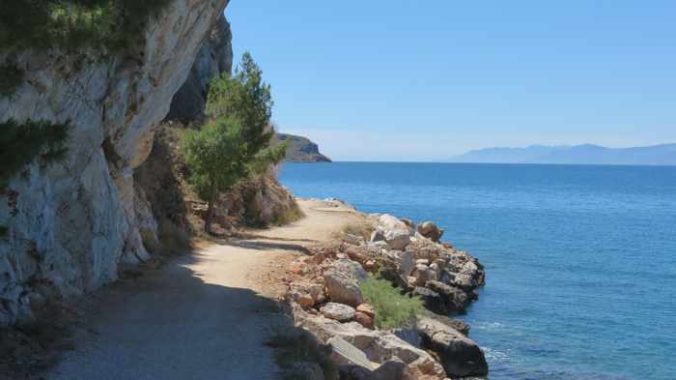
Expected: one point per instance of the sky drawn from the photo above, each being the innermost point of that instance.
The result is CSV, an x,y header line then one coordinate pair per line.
x,y
425,80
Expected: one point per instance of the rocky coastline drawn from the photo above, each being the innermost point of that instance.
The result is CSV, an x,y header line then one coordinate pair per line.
x,y
324,298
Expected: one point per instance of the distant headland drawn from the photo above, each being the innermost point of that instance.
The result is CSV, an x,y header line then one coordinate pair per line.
x,y
301,149
664,154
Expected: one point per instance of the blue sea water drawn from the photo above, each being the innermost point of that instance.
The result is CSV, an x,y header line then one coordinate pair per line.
x,y
580,260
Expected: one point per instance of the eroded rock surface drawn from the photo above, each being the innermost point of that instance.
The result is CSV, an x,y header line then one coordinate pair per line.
x,y
71,224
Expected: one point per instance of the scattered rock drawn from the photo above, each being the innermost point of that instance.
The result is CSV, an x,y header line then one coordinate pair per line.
x,y
367,309
303,299
298,267
338,311
459,355
364,320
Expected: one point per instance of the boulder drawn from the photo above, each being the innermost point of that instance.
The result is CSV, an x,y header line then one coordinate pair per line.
x,y
408,335
423,274
403,261
456,299
430,230
378,346
408,222
432,300
338,311
395,232
342,279
457,325
389,222
459,355
397,239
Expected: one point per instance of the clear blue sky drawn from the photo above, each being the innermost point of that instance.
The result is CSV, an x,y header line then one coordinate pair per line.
x,y
410,80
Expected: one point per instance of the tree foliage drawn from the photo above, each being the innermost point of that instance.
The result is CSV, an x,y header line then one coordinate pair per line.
x,y
236,140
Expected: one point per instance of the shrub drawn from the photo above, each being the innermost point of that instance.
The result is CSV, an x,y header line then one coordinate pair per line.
x,y
361,228
290,215
392,308
20,144
10,79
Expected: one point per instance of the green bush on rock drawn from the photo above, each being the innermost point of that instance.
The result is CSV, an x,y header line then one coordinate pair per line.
x,y
392,308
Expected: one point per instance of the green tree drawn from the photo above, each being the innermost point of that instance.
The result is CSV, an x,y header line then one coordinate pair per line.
x,y
236,140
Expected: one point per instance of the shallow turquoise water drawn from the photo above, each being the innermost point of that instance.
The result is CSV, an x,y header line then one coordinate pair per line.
x,y
580,260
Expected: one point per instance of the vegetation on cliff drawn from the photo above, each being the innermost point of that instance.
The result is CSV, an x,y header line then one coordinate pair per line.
x,y
236,141
21,143
101,25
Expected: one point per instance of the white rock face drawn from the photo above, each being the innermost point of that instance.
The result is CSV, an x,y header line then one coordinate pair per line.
x,y
71,224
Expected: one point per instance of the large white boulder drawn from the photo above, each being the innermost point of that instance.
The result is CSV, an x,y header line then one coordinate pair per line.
x,y
342,282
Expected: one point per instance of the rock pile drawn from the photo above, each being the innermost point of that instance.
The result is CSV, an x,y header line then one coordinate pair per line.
x,y
326,299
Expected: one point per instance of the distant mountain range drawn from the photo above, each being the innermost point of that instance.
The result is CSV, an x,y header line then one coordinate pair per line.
x,y
301,149
577,154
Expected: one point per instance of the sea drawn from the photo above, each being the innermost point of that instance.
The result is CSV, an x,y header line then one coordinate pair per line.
x,y
580,260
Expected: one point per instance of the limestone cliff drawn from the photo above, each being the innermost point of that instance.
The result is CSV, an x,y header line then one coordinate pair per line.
x,y
69,226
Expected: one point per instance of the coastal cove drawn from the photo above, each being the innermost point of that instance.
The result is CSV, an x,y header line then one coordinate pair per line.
x,y
579,259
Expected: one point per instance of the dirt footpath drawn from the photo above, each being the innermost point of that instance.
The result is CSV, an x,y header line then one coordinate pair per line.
x,y
203,316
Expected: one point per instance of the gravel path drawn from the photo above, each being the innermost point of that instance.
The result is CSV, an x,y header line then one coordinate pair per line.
x,y
204,316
